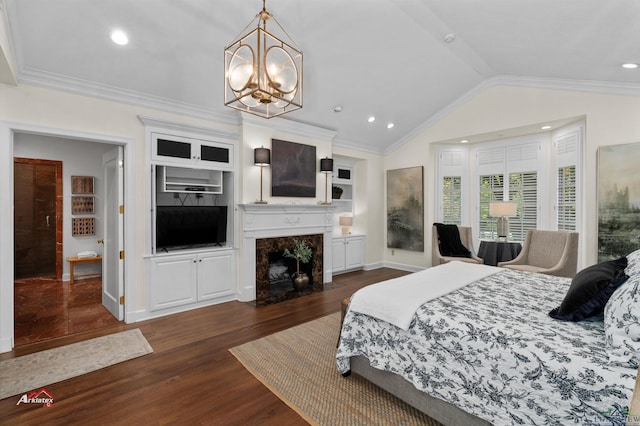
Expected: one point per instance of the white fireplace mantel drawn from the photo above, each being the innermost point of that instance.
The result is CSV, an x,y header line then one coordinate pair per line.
x,y
282,220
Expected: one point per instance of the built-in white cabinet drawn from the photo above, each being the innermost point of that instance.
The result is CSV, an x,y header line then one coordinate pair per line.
x,y
348,253
181,179
191,152
191,280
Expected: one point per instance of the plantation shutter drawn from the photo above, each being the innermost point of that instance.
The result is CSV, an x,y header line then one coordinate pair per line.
x,y
567,153
491,189
523,189
451,172
452,200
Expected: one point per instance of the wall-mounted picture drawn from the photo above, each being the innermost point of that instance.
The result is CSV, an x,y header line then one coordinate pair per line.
x,y
405,209
618,200
82,184
293,169
81,204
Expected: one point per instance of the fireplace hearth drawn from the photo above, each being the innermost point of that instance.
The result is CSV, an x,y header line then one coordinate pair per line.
x,y
274,272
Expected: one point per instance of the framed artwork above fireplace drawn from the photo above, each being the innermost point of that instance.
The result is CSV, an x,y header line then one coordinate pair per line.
x,y
293,169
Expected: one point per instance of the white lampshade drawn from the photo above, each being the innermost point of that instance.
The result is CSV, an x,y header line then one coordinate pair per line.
x,y
346,221
502,209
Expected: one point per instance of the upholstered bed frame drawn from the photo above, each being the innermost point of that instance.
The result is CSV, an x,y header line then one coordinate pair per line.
x,y
445,413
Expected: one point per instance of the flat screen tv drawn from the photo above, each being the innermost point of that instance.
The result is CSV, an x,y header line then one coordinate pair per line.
x,y
180,227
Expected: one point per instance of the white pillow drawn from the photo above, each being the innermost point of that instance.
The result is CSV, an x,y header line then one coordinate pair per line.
x,y
622,318
633,264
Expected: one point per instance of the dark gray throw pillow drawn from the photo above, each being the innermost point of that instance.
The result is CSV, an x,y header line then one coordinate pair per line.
x,y
590,290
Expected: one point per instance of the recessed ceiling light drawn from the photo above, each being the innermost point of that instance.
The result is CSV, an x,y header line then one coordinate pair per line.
x,y
464,141
119,37
337,108
630,66
547,127
390,126
371,119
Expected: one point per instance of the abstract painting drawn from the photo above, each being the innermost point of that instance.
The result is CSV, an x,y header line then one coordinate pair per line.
x,y
293,169
405,209
618,200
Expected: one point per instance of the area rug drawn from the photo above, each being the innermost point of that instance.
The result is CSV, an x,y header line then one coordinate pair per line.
x,y
26,373
299,366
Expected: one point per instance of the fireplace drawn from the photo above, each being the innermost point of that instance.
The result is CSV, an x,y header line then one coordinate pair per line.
x,y
274,272
278,224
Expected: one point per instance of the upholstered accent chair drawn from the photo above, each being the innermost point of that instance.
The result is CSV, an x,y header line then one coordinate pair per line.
x,y
547,252
465,237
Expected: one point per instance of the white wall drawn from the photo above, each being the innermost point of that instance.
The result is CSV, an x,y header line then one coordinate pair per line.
x,y
610,120
48,111
79,158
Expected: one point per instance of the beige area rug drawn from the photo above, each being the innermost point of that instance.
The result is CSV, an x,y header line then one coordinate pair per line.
x,y
299,366
29,372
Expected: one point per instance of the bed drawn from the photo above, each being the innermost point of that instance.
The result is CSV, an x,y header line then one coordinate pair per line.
x,y
488,352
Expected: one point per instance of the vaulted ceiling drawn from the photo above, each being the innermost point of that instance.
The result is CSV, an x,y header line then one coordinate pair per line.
x,y
402,61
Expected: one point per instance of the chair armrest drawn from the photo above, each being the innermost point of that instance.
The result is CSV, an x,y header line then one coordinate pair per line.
x,y
520,259
565,266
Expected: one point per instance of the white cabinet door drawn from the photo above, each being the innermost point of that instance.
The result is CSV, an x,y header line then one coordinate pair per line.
x,y
172,281
188,152
354,253
216,275
338,249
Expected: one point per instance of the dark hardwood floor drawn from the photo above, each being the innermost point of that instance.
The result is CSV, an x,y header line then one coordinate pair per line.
x,y
191,378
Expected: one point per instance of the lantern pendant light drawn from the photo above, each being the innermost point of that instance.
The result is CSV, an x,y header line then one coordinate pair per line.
x,y
263,69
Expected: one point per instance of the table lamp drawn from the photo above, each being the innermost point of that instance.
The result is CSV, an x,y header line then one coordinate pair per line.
x,y
502,210
346,222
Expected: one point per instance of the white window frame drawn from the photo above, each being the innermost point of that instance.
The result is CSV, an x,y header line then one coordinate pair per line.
x,y
505,157
452,162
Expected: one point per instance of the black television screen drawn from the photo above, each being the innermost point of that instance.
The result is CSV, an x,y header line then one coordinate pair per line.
x,y
190,226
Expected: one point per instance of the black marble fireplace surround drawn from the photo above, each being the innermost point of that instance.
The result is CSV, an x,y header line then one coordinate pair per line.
x,y
269,251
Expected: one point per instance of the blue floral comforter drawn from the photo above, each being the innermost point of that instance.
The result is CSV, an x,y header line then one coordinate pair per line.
x,y
492,350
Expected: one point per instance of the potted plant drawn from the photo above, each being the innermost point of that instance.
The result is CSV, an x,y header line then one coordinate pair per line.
x,y
336,192
301,253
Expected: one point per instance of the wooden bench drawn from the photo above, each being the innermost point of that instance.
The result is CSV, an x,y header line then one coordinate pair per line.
x,y
74,260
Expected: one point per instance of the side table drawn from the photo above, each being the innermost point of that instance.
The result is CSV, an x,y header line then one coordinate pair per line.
x,y
493,252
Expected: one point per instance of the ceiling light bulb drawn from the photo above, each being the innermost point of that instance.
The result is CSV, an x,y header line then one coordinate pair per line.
x,y
545,127
390,126
119,37
630,66
371,119
464,141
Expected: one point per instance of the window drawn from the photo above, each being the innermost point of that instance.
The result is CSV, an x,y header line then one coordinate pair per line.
x,y
541,172
566,211
452,200
523,189
491,189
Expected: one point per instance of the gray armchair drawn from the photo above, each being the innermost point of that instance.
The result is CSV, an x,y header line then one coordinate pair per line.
x,y
547,252
465,238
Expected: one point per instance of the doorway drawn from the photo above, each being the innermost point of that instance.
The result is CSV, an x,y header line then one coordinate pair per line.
x,y
9,132
38,218
45,305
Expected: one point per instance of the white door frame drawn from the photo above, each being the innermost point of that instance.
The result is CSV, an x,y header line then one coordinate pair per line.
x,y
7,132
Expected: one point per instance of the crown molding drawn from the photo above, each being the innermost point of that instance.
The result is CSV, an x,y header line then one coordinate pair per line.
x,y
155,123
114,94
356,146
288,125
589,86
